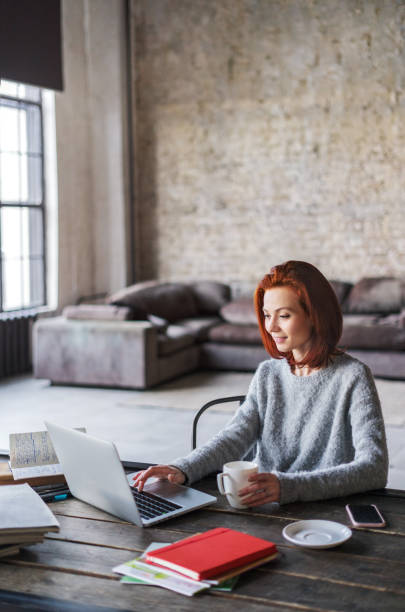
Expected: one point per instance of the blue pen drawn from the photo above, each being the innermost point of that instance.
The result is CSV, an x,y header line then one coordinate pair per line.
x,y
60,497
50,497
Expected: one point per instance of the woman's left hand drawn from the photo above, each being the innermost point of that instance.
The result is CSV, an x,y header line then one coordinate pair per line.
x,y
264,489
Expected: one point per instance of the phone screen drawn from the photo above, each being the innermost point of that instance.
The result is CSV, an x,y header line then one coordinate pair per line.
x,y
365,514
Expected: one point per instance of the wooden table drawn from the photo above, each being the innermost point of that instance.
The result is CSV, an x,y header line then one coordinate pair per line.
x,y
74,566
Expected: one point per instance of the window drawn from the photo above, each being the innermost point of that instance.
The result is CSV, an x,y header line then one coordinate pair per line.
x,y
22,251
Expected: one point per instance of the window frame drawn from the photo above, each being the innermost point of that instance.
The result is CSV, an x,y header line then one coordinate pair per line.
x,y
22,102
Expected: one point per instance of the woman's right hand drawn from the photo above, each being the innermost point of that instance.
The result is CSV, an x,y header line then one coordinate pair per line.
x,y
166,472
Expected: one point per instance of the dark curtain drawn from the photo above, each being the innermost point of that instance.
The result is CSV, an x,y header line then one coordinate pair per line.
x,y
31,42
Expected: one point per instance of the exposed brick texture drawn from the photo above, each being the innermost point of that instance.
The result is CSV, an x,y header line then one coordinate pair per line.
x,y
270,130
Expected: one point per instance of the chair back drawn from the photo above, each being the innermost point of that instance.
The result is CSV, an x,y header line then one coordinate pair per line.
x,y
221,400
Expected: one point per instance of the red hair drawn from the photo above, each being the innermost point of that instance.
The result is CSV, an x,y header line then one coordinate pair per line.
x,y
318,300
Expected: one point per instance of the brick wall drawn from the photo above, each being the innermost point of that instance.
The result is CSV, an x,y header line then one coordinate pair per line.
x,y
269,130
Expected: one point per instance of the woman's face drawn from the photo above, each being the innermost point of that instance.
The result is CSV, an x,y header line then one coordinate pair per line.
x,y
287,322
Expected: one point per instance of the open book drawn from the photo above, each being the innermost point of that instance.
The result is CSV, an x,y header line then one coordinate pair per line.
x,y
32,459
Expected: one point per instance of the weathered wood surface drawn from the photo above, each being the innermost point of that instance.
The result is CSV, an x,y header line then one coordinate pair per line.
x,y
366,573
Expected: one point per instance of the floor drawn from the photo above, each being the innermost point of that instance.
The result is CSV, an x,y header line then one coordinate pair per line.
x,y
155,425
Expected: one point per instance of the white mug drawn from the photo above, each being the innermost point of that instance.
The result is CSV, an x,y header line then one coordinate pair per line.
x,y
235,476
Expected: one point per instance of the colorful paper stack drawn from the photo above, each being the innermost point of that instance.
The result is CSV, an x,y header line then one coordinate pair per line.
x,y
214,559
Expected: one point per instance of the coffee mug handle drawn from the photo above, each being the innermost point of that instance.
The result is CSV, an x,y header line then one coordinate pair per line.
x,y
220,482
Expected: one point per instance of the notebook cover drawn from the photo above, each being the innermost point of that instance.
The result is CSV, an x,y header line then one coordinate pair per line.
x,y
23,511
212,553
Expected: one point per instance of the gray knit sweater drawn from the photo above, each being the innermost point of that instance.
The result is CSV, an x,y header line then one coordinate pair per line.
x,y
322,435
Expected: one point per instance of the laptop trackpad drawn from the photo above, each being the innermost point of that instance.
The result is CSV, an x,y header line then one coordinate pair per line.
x,y
178,494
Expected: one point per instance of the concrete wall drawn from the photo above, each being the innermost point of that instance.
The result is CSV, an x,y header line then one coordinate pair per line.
x,y
92,158
269,130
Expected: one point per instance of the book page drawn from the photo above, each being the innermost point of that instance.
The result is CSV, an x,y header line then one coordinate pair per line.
x,y
35,471
32,455
31,449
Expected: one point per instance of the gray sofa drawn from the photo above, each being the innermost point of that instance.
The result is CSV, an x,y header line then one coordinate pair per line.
x,y
154,331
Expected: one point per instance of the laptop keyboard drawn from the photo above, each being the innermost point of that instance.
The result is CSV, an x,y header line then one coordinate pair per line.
x,y
150,505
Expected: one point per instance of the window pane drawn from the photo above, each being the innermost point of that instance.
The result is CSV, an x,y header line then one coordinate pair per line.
x,y
20,127
12,284
21,232
22,116
16,90
26,278
10,171
33,129
37,284
11,239
9,129
29,92
8,88
22,254
21,182
36,238
34,171
24,232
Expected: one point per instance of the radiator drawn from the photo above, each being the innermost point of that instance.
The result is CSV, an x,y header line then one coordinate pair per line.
x,y
15,343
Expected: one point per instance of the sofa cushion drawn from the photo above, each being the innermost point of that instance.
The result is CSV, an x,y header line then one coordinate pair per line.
x,y
375,295
382,337
199,326
210,296
397,319
171,301
341,288
235,334
97,312
175,339
360,319
240,312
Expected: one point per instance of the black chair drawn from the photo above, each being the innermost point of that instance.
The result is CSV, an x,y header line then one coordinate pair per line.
x,y
221,400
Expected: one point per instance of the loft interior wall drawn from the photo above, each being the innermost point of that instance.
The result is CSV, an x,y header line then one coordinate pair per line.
x,y
92,132
265,130
269,130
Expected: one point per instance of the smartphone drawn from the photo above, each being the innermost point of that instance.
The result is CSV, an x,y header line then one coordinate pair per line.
x,y
365,516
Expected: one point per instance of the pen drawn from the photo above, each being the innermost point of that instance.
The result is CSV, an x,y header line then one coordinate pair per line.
x,y
52,497
50,487
53,491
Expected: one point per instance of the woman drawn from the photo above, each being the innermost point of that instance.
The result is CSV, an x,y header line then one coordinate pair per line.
x,y
311,417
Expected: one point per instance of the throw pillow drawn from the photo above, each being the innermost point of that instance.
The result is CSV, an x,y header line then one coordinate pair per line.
x,y
210,296
171,301
375,295
240,312
341,288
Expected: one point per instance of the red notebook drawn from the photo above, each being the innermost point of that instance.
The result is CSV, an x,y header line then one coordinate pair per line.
x,y
211,553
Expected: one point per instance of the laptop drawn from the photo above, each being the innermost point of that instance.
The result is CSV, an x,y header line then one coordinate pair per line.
x,y
95,475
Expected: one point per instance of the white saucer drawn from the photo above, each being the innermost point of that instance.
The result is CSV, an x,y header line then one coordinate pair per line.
x,y
317,534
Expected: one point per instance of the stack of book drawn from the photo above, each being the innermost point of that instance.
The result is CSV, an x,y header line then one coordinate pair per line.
x,y
214,559
24,518
32,459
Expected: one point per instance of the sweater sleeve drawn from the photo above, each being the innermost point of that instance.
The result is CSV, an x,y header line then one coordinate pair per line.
x,y
230,444
369,467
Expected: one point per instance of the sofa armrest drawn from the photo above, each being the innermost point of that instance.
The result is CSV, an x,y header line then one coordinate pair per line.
x,y
102,353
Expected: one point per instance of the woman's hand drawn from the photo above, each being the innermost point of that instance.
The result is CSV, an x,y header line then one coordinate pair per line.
x,y
264,488
166,472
